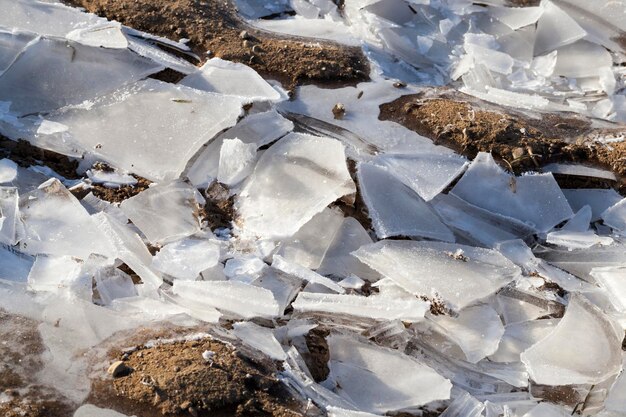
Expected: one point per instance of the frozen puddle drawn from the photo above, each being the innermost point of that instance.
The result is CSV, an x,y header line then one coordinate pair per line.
x,y
438,284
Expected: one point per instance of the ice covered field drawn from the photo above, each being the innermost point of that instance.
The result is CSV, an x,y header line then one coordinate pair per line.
x,y
447,285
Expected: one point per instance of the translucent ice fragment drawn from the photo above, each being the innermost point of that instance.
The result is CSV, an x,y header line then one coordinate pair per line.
x,y
477,330
55,223
230,78
616,400
520,336
293,180
245,268
516,17
104,35
555,28
10,223
11,45
164,212
378,379
150,116
615,216
54,273
552,361
74,73
427,174
547,410
580,222
342,412
375,307
14,266
8,170
582,59
598,199
535,198
255,9
186,258
464,406
458,274
260,338
89,410
236,161
577,240
111,179
283,286
113,284
305,274
237,298
613,281
516,306
395,209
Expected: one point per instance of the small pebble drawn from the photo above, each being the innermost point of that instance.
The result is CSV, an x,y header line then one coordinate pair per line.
x,y
119,369
244,35
246,44
399,84
339,111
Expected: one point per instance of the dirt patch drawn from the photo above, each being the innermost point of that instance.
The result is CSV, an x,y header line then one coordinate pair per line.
x,y
25,155
174,379
117,195
519,142
219,210
318,356
213,25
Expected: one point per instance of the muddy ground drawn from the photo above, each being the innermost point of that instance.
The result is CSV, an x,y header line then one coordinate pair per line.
x,y
213,25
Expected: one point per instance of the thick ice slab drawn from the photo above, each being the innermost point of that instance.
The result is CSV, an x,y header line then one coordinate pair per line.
x,y
55,223
395,209
237,298
164,212
74,73
535,198
150,117
376,307
615,216
230,78
553,361
477,330
379,380
260,338
186,258
458,274
293,180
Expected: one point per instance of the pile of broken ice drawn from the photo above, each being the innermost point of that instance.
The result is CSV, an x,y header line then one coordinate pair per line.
x,y
462,288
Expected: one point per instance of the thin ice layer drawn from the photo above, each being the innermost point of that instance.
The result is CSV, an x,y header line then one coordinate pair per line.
x,y
520,336
11,45
535,198
378,380
458,274
615,216
260,338
598,199
164,212
74,73
236,161
186,258
563,357
158,126
294,180
395,209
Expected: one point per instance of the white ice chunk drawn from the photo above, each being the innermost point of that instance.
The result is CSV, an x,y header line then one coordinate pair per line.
x,y
151,116
341,412
309,245
89,410
54,273
14,266
520,336
305,274
457,273
164,212
104,35
477,330
555,28
378,380
74,73
535,198
236,161
581,220
8,170
94,205
112,179
613,281
464,406
230,78
55,223
11,45
245,268
352,282
579,170
616,400
562,358
577,240
516,17
293,180
615,216
582,59
395,209
510,98
113,284
10,222
260,338
237,298
186,258
427,174
375,307
598,199
260,129
283,286
546,409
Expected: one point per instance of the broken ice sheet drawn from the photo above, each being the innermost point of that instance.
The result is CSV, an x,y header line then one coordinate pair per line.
x,y
375,307
563,357
613,281
464,405
89,410
237,298
186,258
305,274
598,199
244,268
55,223
255,9
54,274
615,217
10,222
533,198
74,73
112,283
456,273
577,240
260,338
8,170
395,209
164,212
294,180
149,117
516,306
477,330
555,28
11,45
378,380
14,266
236,161
284,287
231,78
520,336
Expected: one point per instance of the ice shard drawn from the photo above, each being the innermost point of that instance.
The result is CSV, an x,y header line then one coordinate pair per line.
x,y
236,161
613,281
164,212
464,405
395,209
10,223
615,217
305,274
112,284
520,336
458,274
260,338
11,45
186,258
54,273
556,28
598,199
293,180
562,358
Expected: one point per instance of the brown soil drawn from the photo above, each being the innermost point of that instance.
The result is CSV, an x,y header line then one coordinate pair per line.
x,y
173,379
519,142
25,155
318,356
20,353
117,195
213,25
219,210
